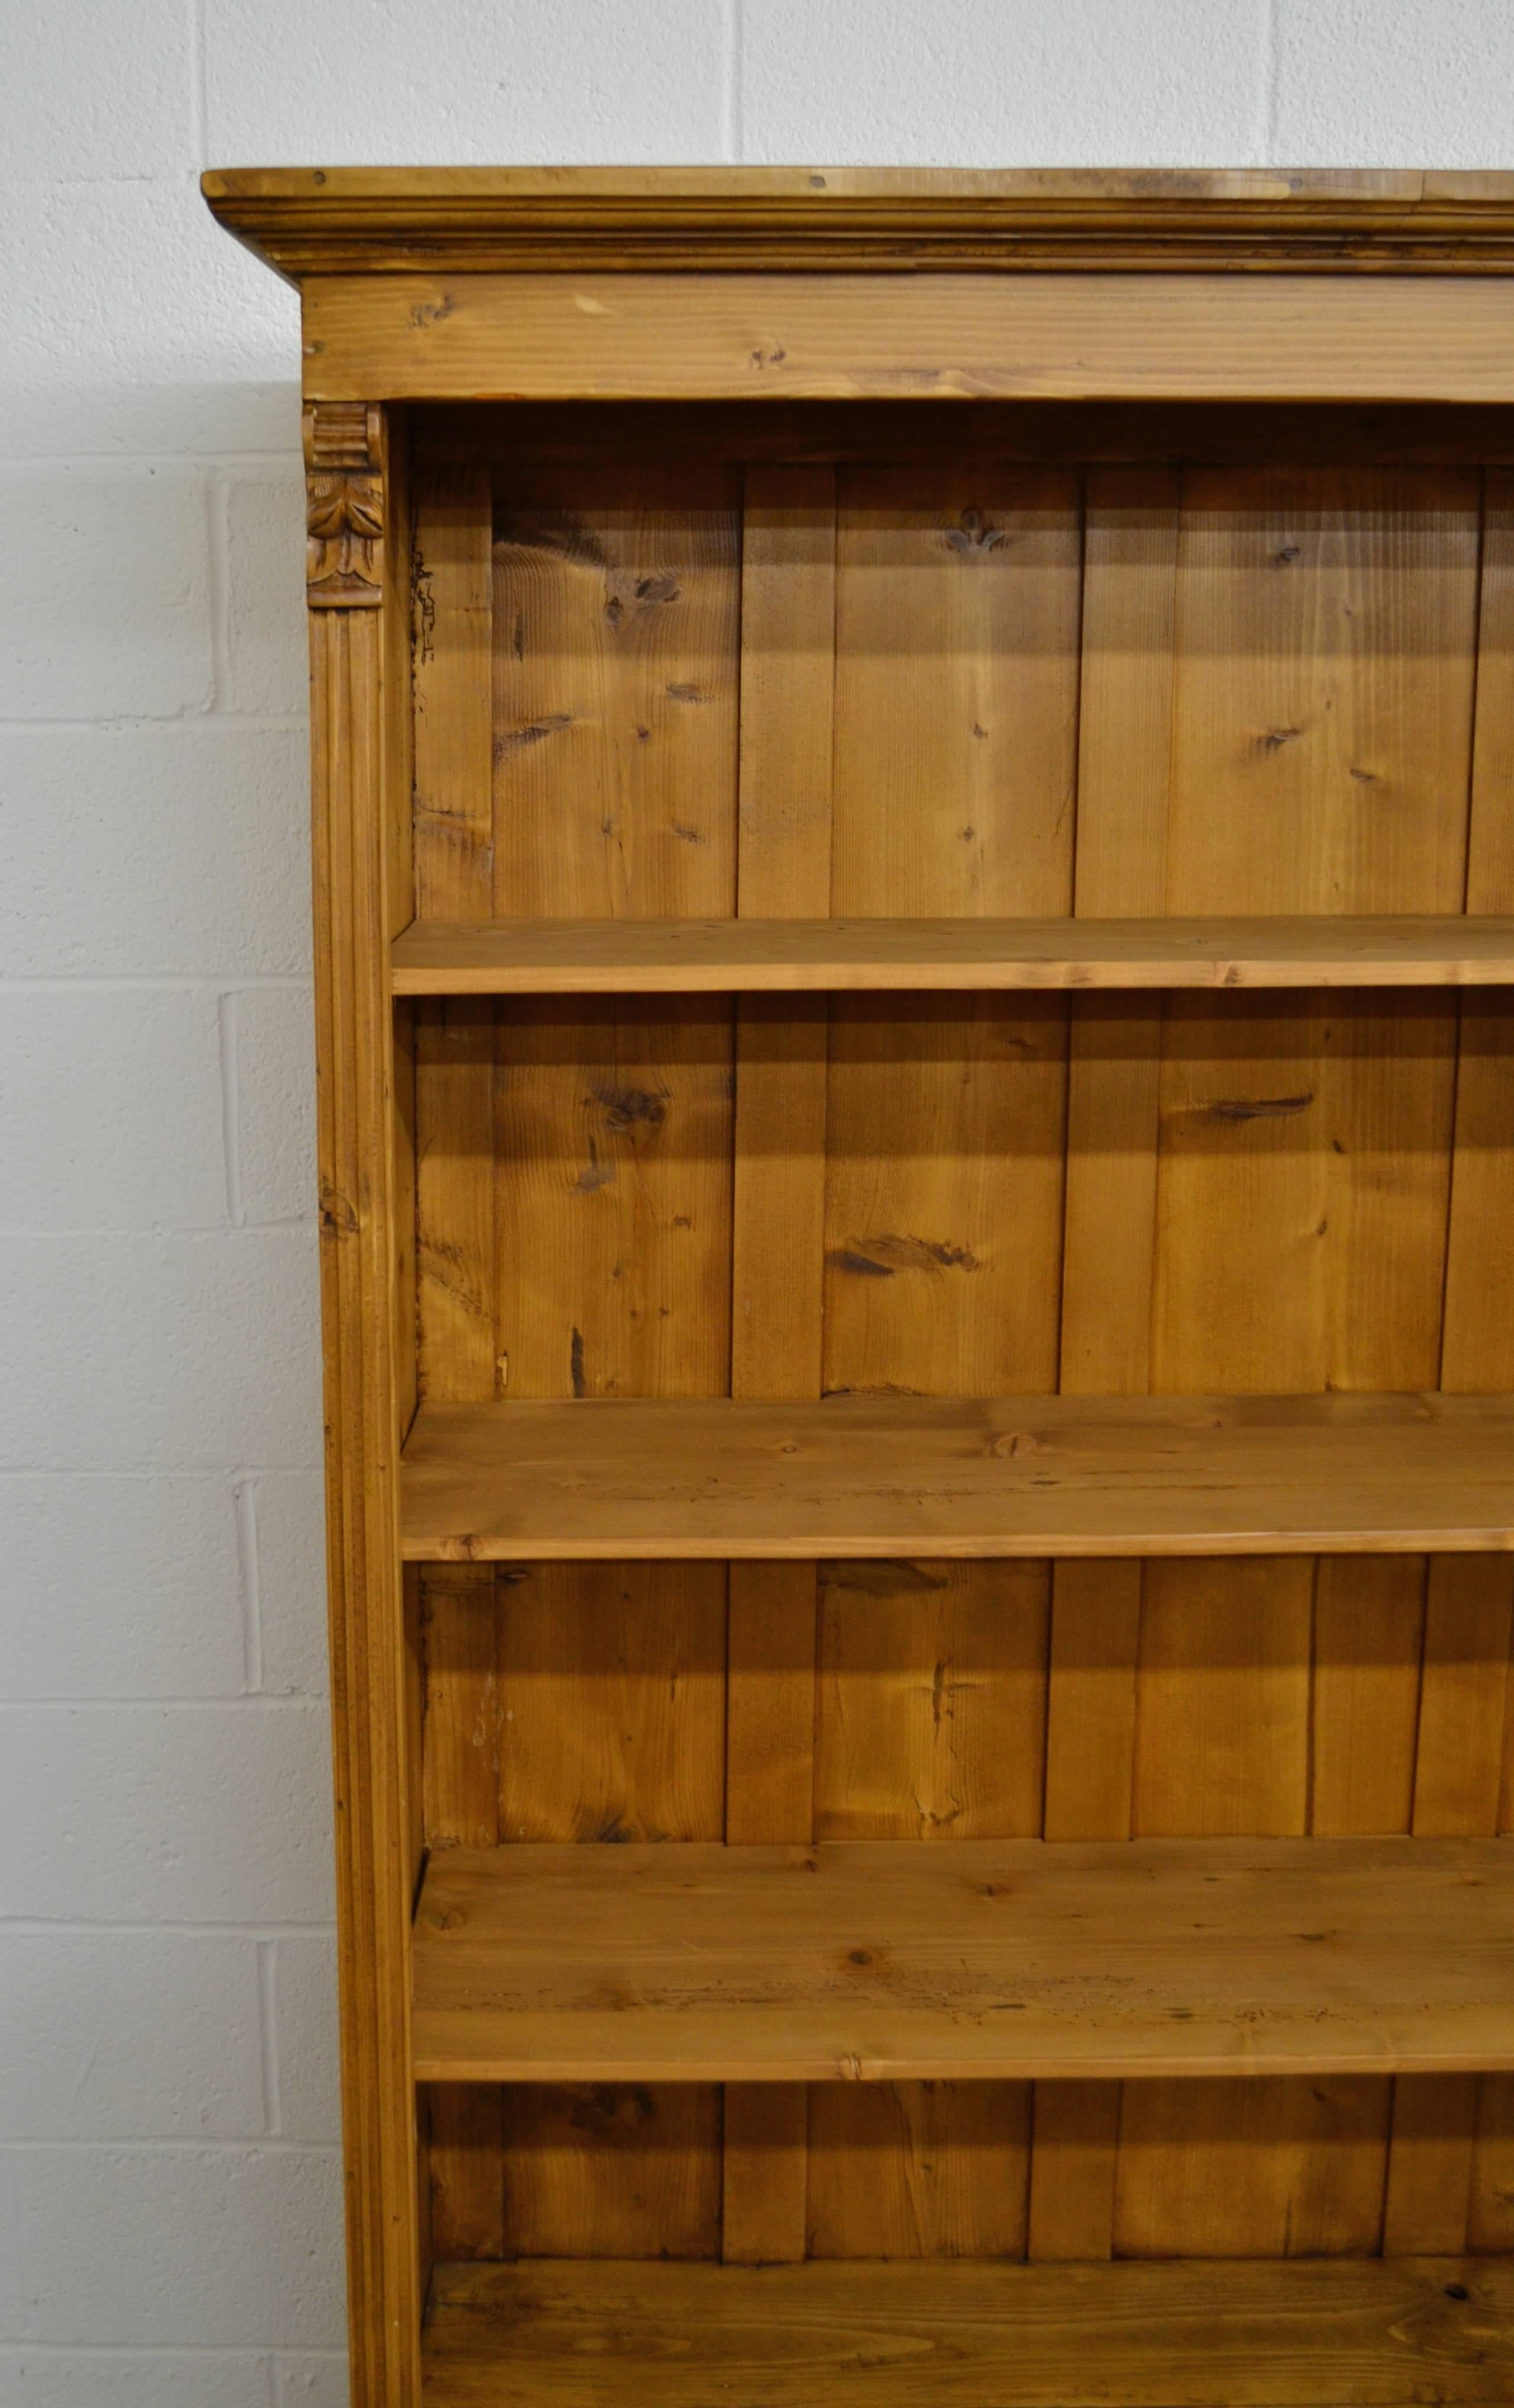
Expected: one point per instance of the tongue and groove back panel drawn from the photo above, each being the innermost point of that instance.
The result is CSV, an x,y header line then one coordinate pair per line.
x,y
679,683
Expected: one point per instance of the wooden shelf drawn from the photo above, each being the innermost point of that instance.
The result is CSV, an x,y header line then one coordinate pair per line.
x,y
887,1476
698,956
883,1960
855,2334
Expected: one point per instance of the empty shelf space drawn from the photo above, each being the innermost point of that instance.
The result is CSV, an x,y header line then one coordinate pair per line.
x,y
883,1960
1358,2332
688,956
859,1476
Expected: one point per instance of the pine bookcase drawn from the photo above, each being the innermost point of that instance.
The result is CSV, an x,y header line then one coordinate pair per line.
x,y
914,799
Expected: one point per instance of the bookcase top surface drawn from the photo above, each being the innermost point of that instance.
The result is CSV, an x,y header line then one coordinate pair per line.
x,y
309,220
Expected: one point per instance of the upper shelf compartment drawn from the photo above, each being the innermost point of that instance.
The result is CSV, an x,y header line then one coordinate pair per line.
x,y
697,956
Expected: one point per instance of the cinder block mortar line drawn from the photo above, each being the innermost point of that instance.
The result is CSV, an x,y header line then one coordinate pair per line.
x,y
267,1704
31,1927
156,1470
198,2352
265,2145
219,544
256,722
125,456
246,1496
154,981
267,2004
230,1109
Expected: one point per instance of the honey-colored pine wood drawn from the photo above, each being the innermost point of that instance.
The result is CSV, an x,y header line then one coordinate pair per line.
x,y
915,910
877,1960
800,955
881,1476
784,866
1361,2335
1129,546
455,1350
943,336
614,715
360,783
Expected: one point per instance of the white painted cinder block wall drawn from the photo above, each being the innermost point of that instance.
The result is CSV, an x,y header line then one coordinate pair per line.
x,y
169,2194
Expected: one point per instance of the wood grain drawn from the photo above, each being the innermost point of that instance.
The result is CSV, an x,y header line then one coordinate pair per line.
x,y
1357,2334
304,219
789,606
358,766
701,956
456,1349
880,1476
1053,336
880,1960
1324,635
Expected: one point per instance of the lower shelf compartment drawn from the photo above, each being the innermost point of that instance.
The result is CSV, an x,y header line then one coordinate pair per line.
x,y
1329,2332
877,1961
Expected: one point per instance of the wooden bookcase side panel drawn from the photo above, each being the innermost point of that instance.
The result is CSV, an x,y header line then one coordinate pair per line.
x,y
358,514
1149,1162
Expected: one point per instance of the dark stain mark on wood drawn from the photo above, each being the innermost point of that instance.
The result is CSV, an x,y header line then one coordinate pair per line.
x,y
575,1364
555,531
627,1109
534,731
595,1175
887,1577
431,314
1258,1107
880,1258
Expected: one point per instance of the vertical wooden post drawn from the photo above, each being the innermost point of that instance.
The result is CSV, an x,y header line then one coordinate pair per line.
x,y
360,804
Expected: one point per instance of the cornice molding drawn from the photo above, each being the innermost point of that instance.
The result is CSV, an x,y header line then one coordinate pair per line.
x,y
351,221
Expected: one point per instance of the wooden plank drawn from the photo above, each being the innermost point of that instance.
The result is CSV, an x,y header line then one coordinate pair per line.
x,y
931,1706
450,623
615,731
933,2170
453,636
1433,2187
881,1475
358,762
931,337
701,956
765,2173
1125,734
1325,628
597,2170
1304,2157
460,1791
1356,2334
877,1960
615,690
1479,1299
788,619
